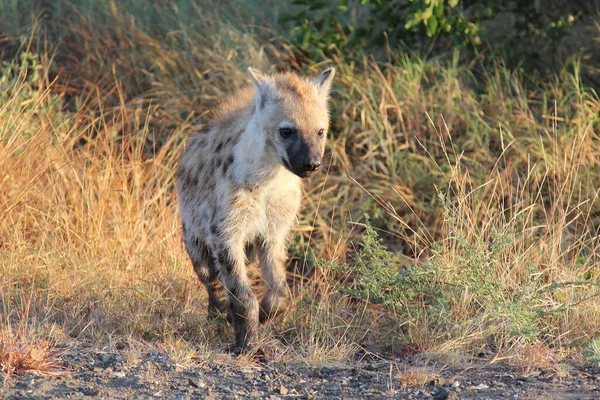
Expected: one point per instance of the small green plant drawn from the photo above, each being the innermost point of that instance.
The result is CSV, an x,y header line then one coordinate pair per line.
x,y
431,18
379,279
321,28
25,70
23,86
592,351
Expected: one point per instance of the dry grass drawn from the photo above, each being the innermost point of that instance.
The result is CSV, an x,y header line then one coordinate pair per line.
x,y
27,344
486,183
536,358
18,354
417,376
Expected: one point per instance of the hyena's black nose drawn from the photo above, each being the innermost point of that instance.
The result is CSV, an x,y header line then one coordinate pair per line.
x,y
312,164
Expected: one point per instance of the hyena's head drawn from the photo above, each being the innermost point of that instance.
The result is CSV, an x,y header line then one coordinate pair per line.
x,y
294,117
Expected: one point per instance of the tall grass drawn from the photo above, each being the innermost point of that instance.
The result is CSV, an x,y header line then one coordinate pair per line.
x,y
482,189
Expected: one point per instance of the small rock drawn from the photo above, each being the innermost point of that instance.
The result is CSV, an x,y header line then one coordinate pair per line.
x,y
89,391
482,386
118,374
455,385
332,387
105,358
440,394
225,389
283,390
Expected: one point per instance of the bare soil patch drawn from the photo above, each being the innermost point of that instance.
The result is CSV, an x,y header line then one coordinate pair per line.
x,y
89,372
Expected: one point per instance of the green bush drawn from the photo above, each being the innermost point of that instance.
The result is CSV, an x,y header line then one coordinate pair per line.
x,y
24,87
431,297
317,28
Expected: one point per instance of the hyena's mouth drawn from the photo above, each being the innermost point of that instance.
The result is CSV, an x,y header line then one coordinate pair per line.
x,y
301,172
305,174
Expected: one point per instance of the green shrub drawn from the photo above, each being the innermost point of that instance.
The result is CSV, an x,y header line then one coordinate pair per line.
x,y
24,86
458,291
319,29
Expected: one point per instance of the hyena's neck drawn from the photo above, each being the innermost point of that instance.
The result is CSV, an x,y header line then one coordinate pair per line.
x,y
255,161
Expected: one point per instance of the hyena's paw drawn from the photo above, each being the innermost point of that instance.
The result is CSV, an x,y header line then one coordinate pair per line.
x,y
256,353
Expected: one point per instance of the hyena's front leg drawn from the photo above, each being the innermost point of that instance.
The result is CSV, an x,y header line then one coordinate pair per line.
x,y
277,296
243,305
217,298
204,266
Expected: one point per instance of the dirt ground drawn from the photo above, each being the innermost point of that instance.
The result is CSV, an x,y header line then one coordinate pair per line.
x,y
90,373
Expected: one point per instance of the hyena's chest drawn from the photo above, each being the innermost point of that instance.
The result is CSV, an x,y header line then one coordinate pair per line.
x,y
268,210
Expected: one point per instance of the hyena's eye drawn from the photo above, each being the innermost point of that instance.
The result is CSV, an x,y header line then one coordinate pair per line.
x,y
286,132
321,132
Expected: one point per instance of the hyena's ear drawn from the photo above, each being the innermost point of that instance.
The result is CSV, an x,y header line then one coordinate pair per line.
x,y
264,87
323,82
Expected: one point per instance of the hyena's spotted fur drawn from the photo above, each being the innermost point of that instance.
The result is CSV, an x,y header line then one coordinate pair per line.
x,y
239,185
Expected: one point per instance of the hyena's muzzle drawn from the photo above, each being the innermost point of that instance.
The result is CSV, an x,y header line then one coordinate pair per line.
x,y
305,156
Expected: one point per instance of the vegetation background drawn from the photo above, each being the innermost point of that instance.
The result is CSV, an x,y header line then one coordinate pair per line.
x,y
457,216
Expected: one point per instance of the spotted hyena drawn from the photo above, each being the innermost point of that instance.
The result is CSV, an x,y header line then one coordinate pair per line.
x,y
239,184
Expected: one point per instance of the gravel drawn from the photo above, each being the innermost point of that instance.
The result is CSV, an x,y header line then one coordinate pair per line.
x,y
92,374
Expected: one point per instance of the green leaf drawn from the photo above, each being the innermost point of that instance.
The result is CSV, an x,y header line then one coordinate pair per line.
x,y
432,25
439,10
318,5
412,21
425,15
306,39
